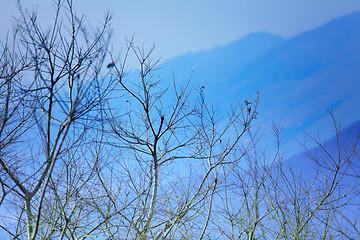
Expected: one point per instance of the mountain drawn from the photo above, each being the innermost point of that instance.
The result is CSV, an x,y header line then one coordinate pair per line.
x,y
300,79
343,142
222,62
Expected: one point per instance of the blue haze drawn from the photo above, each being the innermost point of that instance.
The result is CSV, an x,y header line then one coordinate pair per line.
x,y
300,79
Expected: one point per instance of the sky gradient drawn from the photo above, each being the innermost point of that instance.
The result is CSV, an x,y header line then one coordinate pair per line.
x,y
179,27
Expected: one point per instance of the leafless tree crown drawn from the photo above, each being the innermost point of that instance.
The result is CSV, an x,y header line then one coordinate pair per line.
x,y
89,150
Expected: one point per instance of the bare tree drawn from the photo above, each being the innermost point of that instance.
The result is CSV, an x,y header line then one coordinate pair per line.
x,y
52,87
272,199
173,151
61,183
89,150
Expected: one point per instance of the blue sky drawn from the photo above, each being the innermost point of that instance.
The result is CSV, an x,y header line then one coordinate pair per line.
x,y
179,27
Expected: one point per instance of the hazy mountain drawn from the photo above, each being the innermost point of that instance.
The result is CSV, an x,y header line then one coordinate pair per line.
x,y
347,138
300,79
223,62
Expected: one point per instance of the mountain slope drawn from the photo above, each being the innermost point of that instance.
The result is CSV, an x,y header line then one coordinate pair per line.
x,y
346,139
300,79
221,62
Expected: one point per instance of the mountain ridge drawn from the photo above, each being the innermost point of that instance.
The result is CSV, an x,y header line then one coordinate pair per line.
x,y
300,78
